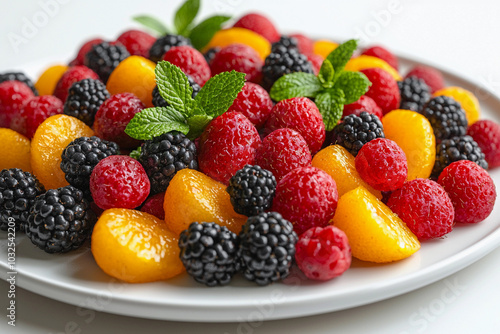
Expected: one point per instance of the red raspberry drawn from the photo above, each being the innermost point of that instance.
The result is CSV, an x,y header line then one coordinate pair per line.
x,y
282,151
119,181
384,89
323,253
33,113
190,61
13,95
227,144
382,164
307,196
301,115
238,57
113,116
316,61
425,208
154,206
432,77
471,191
72,75
305,44
254,103
137,42
364,103
486,134
259,24
84,49
384,54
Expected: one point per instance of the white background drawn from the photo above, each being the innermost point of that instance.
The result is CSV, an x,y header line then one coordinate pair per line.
x,y
461,36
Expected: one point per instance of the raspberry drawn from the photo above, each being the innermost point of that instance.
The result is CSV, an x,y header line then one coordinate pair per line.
x,y
238,57
446,116
299,114
384,54
455,149
364,103
13,96
113,116
282,151
33,113
384,89
259,24
382,164
307,196
432,77
84,49
316,62
226,145
72,75
154,206
414,93
137,42
304,43
103,58
190,61
119,181
425,208
486,134
210,54
323,253
18,76
471,191
164,43
254,103
159,101
84,99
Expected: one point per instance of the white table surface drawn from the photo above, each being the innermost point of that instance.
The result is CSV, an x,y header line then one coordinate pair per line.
x,y
459,35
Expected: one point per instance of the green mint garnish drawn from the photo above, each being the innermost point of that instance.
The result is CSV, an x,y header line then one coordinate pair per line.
x,y
185,15
331,89
173,85
136,153
151,23
206,29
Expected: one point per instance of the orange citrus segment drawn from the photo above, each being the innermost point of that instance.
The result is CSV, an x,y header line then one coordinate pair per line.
x,y
363,62
47,81
14,150
323,47
467,100
233,35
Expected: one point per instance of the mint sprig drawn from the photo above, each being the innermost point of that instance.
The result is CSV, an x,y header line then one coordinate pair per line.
x,y
185,114
331,89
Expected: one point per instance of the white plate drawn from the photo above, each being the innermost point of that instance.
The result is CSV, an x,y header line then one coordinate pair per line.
x,y
76,279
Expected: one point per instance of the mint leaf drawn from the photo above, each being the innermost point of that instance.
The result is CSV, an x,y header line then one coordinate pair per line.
x,y
153,122
151,23
136,153
331,105
185,15
205,30
197,124
353,84
295,85
218,93
341,55
174,86
326,73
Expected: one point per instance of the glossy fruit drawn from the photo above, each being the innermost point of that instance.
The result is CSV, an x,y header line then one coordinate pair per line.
x,y
14,150
225,37
13,96
324,47
34,112
190,61
259,24
47,81
363,62
238,57
467,100
384,90
382,53
72,75
135,247
375,233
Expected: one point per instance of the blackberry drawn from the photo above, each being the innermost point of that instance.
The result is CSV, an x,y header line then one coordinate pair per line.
x,y
210,54
209,253
267,248
103,58
287,42
60,220
446,116
158,101
84,99
355,131
163,156
414,93
18,190
457,148
81,156
18,76
252,190
164,43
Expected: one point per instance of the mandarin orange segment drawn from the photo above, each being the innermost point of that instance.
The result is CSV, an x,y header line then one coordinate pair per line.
x,y
467,100
135,247
414,134
375,233
339,164
323,47
363,62
47,145
194,197
134,75
47,81
14,150
233,35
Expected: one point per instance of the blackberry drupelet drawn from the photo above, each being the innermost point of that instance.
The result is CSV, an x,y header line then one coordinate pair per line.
x,y
210,54
355,131
446,116
252,190
209,253
84,99
164,156
18,190
103,58
267,248
164,43
158,101
455,149
18,76
60,220
287,42
81,156
414,93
